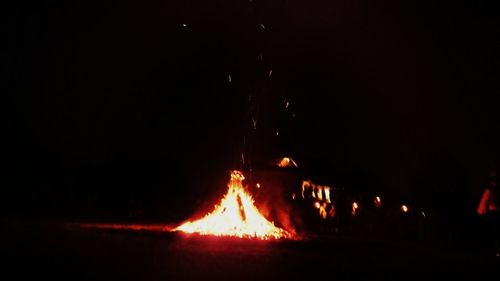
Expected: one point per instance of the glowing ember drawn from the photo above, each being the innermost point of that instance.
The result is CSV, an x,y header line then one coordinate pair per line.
x,y
404,208
286,162
237,216
355,208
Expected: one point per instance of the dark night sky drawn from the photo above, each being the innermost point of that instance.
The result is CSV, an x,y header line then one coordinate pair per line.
x,y
118,100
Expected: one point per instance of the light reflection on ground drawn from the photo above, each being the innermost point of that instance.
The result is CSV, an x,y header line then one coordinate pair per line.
x,y
133,227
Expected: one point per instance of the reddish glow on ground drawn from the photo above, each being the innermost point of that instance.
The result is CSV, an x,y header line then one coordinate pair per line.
x,y
237,216
131,227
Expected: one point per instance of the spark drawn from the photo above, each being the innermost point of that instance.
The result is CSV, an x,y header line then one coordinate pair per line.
x,y
270,72
184,25
263,26
229,76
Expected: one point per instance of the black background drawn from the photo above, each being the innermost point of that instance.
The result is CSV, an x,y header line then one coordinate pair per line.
x,y
115,109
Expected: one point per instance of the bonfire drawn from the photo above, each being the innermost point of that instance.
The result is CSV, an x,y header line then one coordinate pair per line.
x,y
236,216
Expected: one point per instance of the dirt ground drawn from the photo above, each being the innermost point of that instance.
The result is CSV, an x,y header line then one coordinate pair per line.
x,y
56,250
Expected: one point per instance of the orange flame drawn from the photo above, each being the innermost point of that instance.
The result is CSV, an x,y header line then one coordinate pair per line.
x,y
237,216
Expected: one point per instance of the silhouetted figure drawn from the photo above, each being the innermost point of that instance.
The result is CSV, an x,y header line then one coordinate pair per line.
x,y
489,208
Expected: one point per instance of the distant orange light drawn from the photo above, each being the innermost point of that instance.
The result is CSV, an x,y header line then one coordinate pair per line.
x,y
305,186
355,208
322,211
317,205
404,208
327,195
332,211
378,202
320,193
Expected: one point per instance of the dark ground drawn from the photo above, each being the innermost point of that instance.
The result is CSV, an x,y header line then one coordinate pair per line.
x,y
56,250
